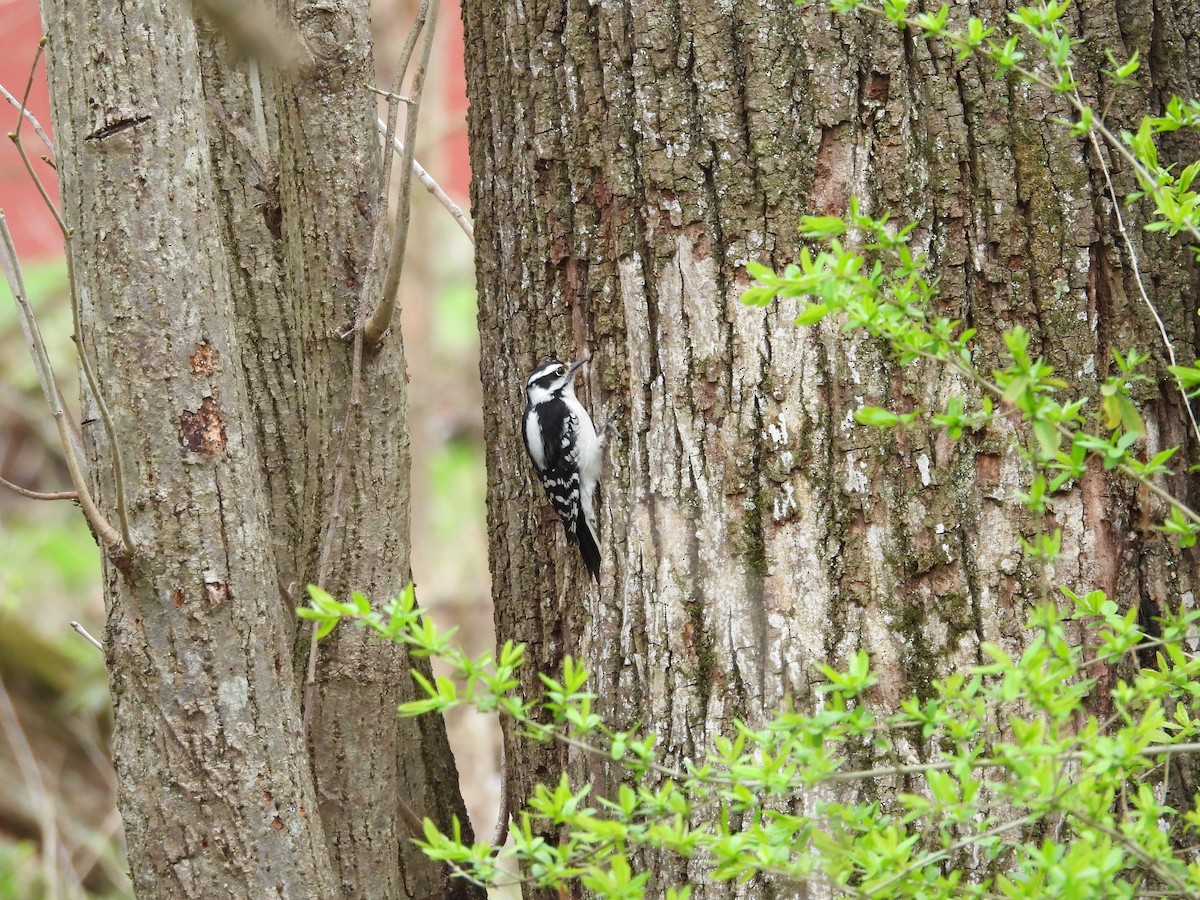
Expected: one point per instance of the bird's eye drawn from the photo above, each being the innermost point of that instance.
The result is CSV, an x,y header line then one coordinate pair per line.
x,y
562,370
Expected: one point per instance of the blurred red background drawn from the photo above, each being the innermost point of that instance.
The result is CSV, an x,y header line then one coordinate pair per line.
x,y
34,231
33,227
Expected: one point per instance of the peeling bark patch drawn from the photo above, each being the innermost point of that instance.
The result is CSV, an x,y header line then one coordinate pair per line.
x,y
204,360
106,131
216,592
202,431
362,202
831,191
877,89
987,468
178,598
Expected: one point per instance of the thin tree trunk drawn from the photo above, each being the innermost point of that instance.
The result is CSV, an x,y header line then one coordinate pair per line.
x,y
628,159
223,219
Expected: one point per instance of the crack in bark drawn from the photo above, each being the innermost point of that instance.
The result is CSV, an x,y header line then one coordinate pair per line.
x,y
123,124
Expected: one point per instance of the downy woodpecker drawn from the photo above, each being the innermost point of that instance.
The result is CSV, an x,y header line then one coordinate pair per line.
x,y
566,452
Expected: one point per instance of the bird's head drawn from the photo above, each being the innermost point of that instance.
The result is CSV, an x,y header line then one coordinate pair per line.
x,y
552,379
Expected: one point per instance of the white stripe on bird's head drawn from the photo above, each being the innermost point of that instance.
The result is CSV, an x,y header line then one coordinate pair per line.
x,y
550,378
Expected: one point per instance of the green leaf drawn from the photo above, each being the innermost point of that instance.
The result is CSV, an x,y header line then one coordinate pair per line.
x,y
812,314
876,417
758,296
763,273
822,226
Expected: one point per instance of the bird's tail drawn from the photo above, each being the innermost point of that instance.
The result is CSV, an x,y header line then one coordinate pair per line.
x,y
588,548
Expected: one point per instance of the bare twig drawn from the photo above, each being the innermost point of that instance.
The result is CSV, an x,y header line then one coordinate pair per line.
x,y
340,471
38,495
15,137
434,188
381,318
394,97
500,835
416,827
83,633
110,430
41,360
84,363
389,95
37,126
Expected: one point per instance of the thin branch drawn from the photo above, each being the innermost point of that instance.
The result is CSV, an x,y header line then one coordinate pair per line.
x,y
340,469
416,827
38,495
37,126
1132,846
393,96
381,318
388,95
434,188
84,363
341,462
110,430
83,633
929,860
15,137
500,835
41,360
1137,278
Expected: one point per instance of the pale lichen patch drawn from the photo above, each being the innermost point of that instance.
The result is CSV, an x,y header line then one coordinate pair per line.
x,y
233,694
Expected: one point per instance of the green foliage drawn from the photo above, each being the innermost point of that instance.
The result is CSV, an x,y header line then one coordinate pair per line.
x,y
19,874
1010,754
880,287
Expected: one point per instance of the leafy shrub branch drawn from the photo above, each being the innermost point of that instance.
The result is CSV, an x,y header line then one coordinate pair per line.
x,y
1012,756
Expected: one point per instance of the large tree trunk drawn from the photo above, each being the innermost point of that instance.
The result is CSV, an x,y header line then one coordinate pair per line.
x,y
219,248
628,158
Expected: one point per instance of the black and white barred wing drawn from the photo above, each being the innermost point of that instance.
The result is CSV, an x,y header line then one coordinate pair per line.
x,y
558,468
552,441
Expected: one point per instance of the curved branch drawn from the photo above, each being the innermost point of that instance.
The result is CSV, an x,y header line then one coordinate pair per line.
x,y
38,495
37,126
108,535
381,318
15,137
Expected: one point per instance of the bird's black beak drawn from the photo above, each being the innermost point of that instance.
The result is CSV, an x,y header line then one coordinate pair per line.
x,y
575,367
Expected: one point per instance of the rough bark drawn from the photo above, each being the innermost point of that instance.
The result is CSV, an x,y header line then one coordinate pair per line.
x,y
628,158
219,249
